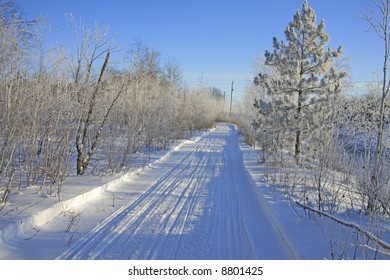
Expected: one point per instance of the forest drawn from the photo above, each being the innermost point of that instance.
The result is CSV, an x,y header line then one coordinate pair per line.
x,y
73,111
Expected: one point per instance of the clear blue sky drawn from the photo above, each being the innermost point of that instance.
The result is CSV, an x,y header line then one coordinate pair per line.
x,y
219,38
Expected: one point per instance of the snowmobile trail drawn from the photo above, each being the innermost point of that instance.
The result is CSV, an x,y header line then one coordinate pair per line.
x,y
199,203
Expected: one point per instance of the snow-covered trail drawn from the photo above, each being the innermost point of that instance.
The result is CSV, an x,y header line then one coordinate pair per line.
x,y
198,203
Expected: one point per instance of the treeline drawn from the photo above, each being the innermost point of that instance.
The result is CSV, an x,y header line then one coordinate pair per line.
x,y
324,149
67,111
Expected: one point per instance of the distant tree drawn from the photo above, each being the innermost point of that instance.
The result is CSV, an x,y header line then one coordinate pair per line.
x,y
172,73
306,77
216,93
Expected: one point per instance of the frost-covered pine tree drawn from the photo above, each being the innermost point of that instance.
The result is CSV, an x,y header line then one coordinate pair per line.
x,y
305,78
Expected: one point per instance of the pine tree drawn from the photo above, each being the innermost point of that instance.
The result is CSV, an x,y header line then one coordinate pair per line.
x,y
304,76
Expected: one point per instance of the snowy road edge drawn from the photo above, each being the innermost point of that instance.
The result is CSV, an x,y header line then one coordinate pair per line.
x,y
257,192
17,229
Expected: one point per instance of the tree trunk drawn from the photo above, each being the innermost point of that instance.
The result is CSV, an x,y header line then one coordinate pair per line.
x,y
298,131
84,157
297,145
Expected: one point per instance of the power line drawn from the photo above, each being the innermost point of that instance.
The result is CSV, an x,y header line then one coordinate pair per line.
x,y
242,82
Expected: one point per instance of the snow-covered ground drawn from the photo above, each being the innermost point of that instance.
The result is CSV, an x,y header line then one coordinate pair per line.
x,y
203,199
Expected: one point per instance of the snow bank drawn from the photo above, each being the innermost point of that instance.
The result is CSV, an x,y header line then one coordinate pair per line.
x,y
49,209
76,192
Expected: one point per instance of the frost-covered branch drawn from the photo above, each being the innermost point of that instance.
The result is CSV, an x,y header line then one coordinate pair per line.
x,y
368,234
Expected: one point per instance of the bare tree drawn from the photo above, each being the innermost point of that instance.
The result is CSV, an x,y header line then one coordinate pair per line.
x,y
16,40
380,25
91,46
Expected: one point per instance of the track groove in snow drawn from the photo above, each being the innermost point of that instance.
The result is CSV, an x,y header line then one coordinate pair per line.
x,y
202,205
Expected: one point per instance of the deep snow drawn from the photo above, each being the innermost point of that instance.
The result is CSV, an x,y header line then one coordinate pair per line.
x,y
204,199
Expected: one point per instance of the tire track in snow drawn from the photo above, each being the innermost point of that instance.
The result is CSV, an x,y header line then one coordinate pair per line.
x,y
161,215
100,236
175,224
204,206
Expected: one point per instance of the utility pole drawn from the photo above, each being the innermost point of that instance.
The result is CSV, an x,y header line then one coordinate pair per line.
x,y
231,101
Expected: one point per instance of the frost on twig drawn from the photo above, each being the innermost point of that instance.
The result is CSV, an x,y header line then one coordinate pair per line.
x,y
368,234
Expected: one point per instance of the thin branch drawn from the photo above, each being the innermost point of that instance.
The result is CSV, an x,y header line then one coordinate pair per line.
x,y
368,234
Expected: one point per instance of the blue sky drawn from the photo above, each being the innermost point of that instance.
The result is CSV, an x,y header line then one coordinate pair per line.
x,y
217,39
